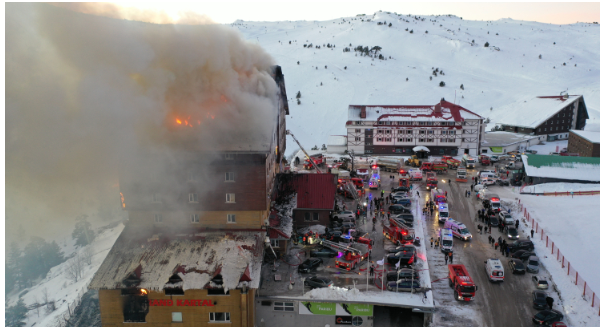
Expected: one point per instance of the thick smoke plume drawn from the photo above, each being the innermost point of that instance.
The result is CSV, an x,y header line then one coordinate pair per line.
x,y
88,83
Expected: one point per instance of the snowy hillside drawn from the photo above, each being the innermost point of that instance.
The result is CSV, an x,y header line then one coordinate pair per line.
x,y
508,70
59,286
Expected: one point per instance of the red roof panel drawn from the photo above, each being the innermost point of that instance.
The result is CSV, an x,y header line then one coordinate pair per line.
x,y
315,191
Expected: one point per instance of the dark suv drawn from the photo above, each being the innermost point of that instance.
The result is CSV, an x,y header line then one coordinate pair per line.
x,y
397,208
406,255
404,273
309,265
521,245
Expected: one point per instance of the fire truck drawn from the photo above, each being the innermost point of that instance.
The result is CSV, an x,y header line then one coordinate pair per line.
x,y
318,159
485,160
439,196
451,162
427,166
460,280
431,181
398,233
440,167
404,181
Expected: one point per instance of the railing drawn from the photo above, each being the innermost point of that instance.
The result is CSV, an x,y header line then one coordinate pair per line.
x,y
587,293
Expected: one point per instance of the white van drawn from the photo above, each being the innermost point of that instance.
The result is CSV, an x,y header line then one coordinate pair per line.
x,y
494,270
443,213
458,229
488,173
447,241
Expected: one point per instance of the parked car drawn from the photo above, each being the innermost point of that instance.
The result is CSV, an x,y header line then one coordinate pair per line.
x,y
531,151
547,317
516,266
404,285
403,273
540,282
404,247
397,208
506,218
401,189
511,233
407,223
494,158
403,201
494,221
347,226
401,194
343,214
406,255
323,252
310,265
318,282
521,245
539,300
406,216
533,264
522,255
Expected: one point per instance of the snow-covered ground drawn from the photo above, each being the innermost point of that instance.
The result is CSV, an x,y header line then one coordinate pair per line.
x,y
573,224
60,288
548,147
560,187
508,70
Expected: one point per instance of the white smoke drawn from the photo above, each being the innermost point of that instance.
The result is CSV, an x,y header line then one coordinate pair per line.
x,y
87,83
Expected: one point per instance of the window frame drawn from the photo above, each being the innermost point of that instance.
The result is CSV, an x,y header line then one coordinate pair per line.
x,y
193,197
229,177
212,317
275,243
229,197
315,216
194,218
231,218
283,306
158,218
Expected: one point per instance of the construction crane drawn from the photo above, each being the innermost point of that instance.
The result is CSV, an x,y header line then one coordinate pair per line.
x,y
287,132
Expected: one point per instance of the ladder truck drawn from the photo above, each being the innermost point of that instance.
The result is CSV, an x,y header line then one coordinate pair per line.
x,y
314,164
352,255
398,232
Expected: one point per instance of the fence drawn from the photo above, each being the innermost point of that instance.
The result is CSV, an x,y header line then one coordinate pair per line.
x,y
587,293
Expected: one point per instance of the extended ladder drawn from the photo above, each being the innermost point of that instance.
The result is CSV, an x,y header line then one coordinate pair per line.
x,y
397,223
349,187
340,247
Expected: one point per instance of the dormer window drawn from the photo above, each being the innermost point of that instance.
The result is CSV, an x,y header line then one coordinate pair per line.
x,y
174,286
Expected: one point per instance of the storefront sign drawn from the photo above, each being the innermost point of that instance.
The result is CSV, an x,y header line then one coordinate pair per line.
x,y
354,309
182,303
343,320
496,149
317,308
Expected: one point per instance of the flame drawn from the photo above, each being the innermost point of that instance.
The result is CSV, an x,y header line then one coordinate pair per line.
x,y
144,291
178,121
122,200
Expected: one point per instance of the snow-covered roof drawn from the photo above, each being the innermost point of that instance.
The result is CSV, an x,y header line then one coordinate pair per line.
x,y
500,138
421,148
281,221
341,140
593,137
562,167
531,113
443,111
195,257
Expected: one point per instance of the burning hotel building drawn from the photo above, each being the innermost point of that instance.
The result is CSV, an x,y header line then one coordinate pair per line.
x,y
191,252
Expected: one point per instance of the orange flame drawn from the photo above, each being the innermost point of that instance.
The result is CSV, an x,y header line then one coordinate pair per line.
x,y
143,291
178,121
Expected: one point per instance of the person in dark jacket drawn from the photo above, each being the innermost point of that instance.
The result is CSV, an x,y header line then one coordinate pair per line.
x,y
532,233
450,256
550,302
446,258
517,224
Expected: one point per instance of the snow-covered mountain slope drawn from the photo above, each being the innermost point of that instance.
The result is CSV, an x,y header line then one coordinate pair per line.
x,y
59,286
508,70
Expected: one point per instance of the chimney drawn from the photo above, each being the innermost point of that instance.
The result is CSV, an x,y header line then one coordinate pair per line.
x,y
363,112
437,109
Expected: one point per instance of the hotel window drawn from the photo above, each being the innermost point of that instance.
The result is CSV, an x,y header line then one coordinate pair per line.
x,y
430,140
315,216
219,317
357,139
176,317
275,243
230,197
422,123
409,132
450,123
444,132
408,140
155,197
193,197
421,131
230,177
443,123
451,132
307,216
283,306
389,139
229,156
421,140
379,131
550,128
430,131
387,131
191,177
158,218
380,139
442,140
195,218
357,130
230,218
399,139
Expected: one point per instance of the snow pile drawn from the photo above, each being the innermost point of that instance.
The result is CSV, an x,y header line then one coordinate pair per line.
x,y
333,293
285,213
314,228
354,295
559,187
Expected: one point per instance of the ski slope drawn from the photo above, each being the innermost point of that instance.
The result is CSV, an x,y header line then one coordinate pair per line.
x,y
508,70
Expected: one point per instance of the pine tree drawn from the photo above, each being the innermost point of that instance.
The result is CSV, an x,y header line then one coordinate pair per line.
x,y
83,233
442,84
14,263
298,95
486,44
462,87
15,315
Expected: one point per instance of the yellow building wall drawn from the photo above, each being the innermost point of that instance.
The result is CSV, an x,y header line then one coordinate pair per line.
x,y
207,219
240,307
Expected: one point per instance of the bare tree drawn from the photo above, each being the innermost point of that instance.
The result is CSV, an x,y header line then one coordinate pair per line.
x,y
74,267
87,255
50,306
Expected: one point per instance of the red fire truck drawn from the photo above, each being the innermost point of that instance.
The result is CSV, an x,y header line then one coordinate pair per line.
x,y
485,160
451,162
352,256
427,166
398,233
439,196
404,181
460,280
317,158
431,180
440,167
